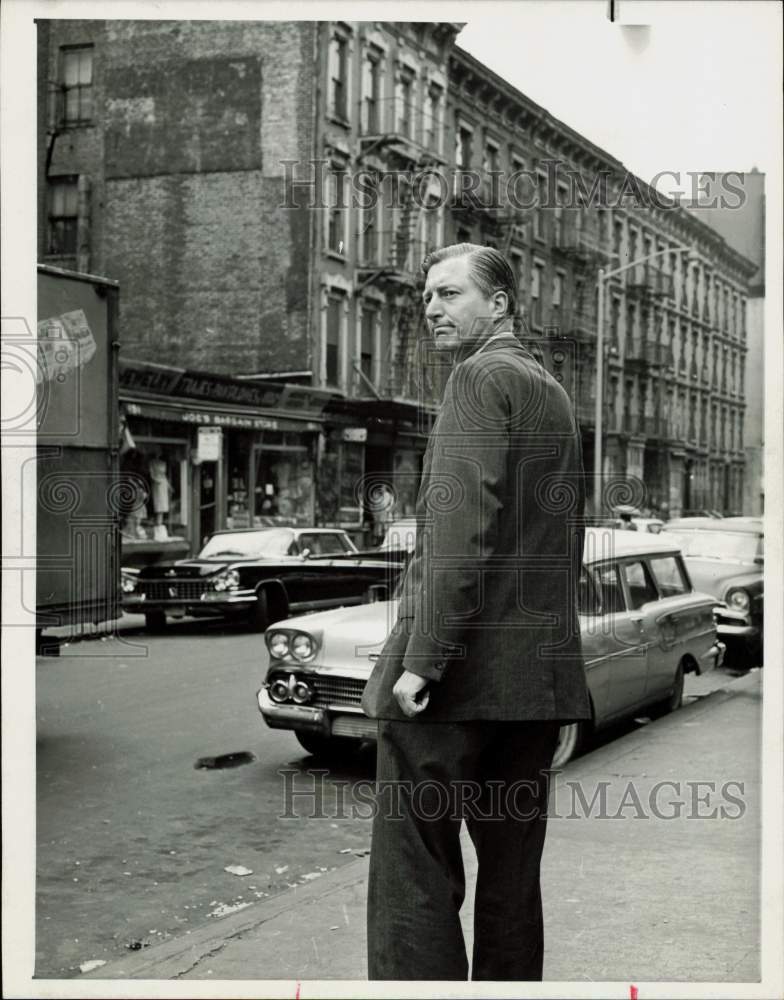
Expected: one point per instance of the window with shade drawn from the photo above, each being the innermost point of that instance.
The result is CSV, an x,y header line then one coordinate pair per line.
x,y
76,79
63,216
404,104
334,320
433,117
536,290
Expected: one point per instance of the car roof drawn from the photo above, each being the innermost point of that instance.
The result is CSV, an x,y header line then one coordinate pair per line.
x,y
750,524
611,543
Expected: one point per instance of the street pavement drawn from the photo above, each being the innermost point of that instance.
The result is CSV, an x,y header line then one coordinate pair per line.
x,y
660,884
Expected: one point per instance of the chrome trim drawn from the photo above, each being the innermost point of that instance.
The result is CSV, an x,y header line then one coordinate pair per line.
x,y
291,716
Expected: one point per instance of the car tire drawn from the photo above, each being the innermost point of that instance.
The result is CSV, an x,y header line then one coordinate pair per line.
x,y
330,748
259,613
570,741
155,621
675,699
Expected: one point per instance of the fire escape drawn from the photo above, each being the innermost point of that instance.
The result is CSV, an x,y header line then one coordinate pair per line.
x,y
398,144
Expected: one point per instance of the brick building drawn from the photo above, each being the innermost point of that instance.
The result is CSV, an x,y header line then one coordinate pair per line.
x,y
264,193
675,333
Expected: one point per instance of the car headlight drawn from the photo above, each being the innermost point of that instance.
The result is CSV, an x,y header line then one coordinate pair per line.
x,y
228,580
739,599
128,583
301,692
279,689
278,644
303,647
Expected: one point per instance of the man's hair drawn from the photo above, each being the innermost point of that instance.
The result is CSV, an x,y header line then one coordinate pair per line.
x,y
488,268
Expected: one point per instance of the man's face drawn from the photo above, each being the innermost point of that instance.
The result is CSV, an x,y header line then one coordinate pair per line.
x,y
456,309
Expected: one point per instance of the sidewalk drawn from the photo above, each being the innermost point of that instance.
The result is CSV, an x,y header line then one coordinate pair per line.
x,y
635,898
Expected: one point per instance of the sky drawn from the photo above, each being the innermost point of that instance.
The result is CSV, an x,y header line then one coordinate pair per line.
x,y
698,89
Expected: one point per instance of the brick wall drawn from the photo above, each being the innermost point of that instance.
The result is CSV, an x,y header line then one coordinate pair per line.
x,y
192,120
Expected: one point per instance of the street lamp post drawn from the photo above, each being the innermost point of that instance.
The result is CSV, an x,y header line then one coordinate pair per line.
x,y
599,410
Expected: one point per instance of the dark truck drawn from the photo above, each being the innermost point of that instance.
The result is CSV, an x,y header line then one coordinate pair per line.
x,y
78,489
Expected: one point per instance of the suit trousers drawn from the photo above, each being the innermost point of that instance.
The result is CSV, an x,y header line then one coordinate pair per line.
x,y
429,777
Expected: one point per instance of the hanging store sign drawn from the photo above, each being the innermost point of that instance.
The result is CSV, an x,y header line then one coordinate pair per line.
x,y
210,444
355,434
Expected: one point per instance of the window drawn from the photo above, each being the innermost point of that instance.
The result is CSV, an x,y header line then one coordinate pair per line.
x,y
433,117
371,92
536,302
463,150
557,296
76,77
641,587
336,225
587,598
334,320
610,590
491,158
63,216
338,83
368,339
431,222
541,198
405,104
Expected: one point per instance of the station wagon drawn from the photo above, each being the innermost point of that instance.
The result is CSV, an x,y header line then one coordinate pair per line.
x,y
643,626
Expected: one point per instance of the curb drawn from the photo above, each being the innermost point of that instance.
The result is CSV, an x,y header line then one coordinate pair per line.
x,y
176,957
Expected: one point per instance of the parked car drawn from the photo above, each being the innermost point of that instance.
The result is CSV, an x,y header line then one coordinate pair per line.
x,y
644,627
260,575
725,557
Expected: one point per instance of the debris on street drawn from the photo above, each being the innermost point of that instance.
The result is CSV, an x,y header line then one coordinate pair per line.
x,y
238,870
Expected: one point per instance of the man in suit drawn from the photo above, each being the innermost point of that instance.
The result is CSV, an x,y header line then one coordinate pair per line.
x,y
484,663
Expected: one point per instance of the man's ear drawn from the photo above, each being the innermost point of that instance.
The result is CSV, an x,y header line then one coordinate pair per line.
x,y
500,303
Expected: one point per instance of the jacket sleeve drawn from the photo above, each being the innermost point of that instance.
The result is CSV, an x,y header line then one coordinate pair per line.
x,y
464,496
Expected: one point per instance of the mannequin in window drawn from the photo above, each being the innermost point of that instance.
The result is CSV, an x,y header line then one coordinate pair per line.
x,y
160,491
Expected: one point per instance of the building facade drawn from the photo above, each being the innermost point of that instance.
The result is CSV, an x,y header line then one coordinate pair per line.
x,y
741,221
264,192
675,332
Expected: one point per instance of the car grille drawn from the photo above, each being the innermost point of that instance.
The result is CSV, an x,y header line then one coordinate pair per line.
x,y
338,690
173,590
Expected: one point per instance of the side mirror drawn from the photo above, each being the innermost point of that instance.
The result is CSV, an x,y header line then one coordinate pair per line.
x,y
305,553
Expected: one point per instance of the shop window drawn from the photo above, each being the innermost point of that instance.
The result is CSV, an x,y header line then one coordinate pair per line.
x,y
156,473
283,485
340,476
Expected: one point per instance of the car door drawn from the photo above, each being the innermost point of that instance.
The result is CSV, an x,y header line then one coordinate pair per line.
x,y
642,603
622,642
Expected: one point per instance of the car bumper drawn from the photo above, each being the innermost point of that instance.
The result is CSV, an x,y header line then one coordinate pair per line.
x,y
714,658
735,625
314,720
208,603
346,721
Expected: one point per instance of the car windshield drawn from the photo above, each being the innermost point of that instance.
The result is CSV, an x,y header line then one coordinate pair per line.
x,y
738,546
268,543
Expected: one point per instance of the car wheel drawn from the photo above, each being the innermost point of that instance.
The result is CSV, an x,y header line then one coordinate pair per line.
x,y
570,741
259,613
675,700
155,621
327,747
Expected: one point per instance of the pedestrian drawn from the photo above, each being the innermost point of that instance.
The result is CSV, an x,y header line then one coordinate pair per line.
x,y
484,662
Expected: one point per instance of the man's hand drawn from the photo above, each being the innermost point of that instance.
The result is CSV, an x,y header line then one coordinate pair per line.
x,y
408,689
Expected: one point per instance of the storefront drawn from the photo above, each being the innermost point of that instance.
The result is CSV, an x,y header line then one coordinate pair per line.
x,y
203,452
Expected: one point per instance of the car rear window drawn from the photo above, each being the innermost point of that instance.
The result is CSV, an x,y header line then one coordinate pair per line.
x,y
668,575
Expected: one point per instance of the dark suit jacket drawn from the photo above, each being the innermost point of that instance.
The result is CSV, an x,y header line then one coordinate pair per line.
x,y
488,611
